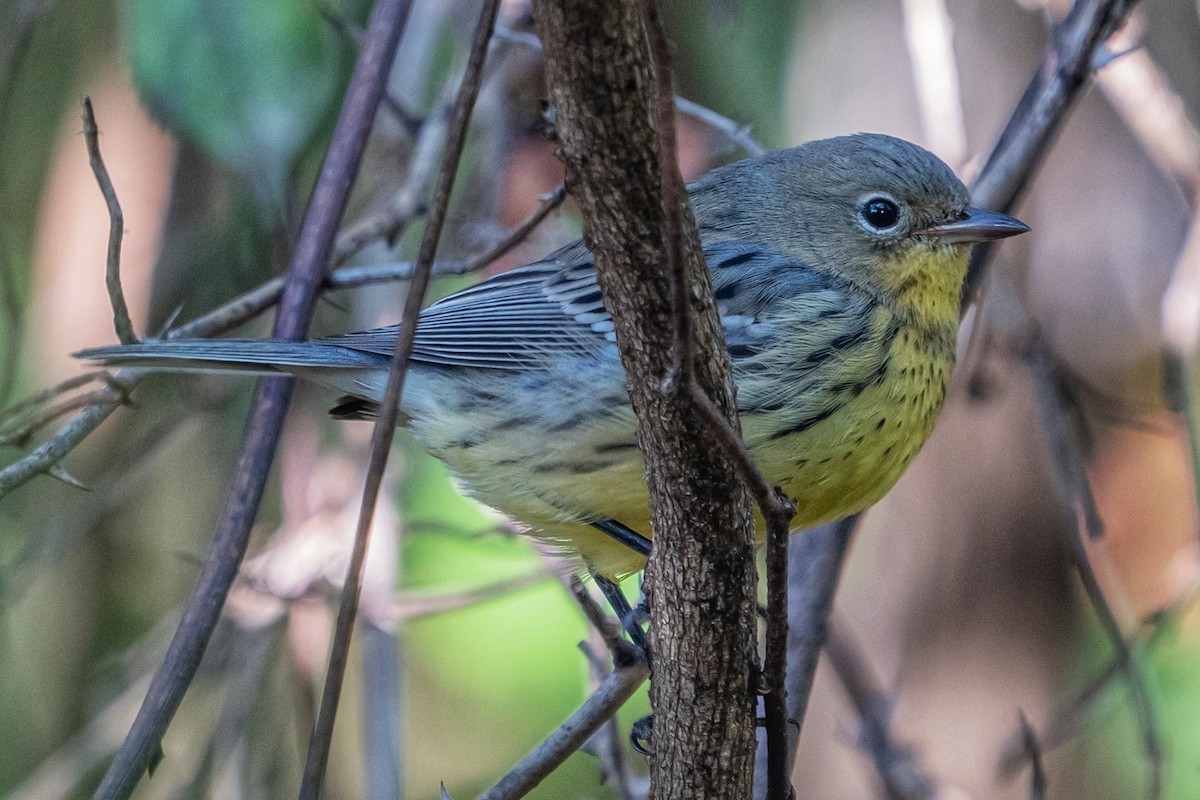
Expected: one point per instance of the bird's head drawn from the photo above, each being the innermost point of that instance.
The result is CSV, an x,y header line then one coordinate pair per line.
x,y
887,214
879,211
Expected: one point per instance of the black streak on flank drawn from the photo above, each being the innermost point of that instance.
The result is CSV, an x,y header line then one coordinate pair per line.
x,y
805,423
573,467
513,422
740,258
855,338
852,339
728,291
742,351
876,378
570,423
614,447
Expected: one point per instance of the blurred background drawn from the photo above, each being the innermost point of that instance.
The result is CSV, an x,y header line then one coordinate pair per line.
x,y
960,588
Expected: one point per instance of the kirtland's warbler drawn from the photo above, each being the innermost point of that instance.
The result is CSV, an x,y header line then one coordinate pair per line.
x,y
838,268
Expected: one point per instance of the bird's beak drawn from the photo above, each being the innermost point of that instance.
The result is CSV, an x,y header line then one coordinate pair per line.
x,y
975,225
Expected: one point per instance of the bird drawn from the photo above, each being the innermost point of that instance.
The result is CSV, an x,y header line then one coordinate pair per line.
x,y
838,269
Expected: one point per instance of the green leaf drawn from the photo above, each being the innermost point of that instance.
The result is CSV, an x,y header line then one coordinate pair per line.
x,y
247,82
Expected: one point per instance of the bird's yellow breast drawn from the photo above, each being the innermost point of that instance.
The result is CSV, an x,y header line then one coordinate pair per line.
x,y
849,459
877,421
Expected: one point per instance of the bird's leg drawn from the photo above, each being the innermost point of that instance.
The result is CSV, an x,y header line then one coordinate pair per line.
x,y
624,535
642,732
630,618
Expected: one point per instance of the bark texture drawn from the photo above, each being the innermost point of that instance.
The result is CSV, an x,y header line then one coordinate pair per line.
x,y
701,577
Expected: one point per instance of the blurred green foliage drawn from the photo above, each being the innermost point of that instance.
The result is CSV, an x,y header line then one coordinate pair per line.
x,y
734,58
248,83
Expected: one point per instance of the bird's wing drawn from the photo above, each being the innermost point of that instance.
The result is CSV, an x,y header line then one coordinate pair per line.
x,y
528,317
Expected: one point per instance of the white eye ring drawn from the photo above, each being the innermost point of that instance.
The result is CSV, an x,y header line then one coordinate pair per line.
x,y
879,213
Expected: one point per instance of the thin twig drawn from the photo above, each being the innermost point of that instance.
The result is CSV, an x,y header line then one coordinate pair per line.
x,y
354,34
815,566
1070,714
618,687
548,204
389,409
328,202
1033,752
607,743
735,133
897,766
17,434
608,630
36,400
409,199
50,453
411,605
116,228
1142,95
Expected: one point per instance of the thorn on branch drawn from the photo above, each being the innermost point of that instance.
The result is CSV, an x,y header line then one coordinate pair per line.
x,y
60,472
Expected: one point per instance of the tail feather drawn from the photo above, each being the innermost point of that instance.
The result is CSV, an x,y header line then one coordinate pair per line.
x,y
243,355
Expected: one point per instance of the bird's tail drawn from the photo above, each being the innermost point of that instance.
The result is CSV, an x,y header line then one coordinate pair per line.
x,y
262,356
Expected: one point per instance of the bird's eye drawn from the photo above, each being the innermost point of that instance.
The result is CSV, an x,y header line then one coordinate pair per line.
x,y
879,213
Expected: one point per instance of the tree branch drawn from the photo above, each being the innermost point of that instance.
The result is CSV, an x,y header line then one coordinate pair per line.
x,y
618,687
701,574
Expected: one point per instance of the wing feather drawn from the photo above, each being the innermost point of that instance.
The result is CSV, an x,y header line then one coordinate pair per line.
x,y
526,318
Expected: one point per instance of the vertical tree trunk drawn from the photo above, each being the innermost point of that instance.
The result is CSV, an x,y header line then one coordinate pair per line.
x,y
701,576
